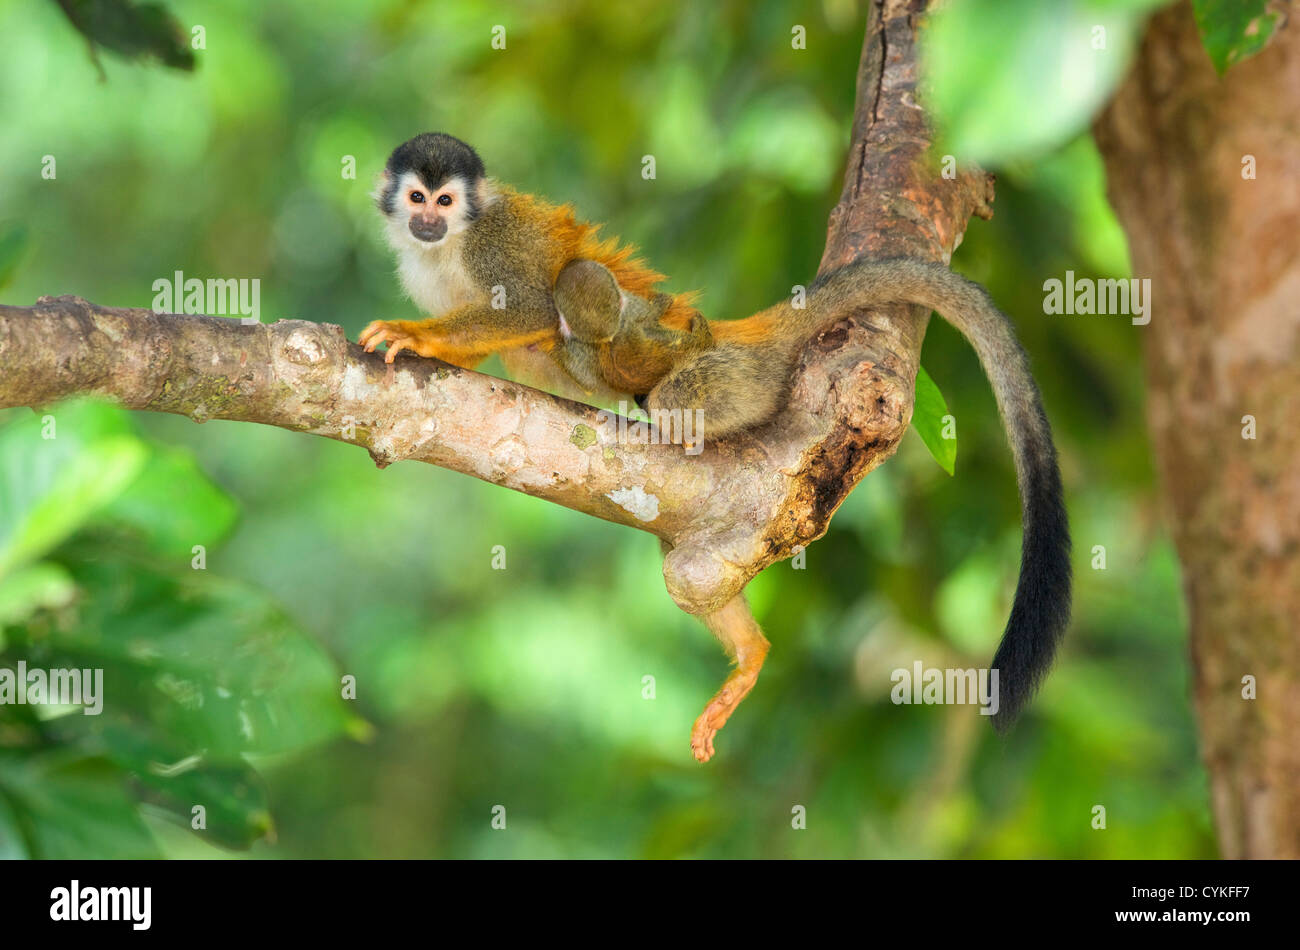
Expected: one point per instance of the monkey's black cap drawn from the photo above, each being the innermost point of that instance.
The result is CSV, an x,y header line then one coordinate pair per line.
x,y
436,157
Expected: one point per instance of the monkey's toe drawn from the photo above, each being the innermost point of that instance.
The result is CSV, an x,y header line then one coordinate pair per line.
x,y
714,717
702,740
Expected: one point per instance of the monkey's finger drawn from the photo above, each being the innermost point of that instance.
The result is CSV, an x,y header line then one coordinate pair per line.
x,y
395,347
375,339
373,333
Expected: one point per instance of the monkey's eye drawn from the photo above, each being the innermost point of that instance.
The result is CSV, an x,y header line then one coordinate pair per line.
x,y
444,200
417,197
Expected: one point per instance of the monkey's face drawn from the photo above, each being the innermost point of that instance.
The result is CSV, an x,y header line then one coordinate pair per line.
x,y
432,189
432,213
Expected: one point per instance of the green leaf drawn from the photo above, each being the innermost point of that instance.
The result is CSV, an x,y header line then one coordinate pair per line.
x,y
12,845
32,588
174,505
198,673
236,812
196,663
46,495
235,809
168,501
13,241
928,413
73,806
1233,30
48,485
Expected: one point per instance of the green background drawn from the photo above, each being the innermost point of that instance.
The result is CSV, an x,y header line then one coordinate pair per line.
x,y
523,687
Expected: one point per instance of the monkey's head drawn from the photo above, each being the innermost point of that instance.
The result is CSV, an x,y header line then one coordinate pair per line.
x,y
431,188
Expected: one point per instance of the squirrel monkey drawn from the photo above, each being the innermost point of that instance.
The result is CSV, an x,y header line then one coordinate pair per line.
x,y
617,339
490,264
481,259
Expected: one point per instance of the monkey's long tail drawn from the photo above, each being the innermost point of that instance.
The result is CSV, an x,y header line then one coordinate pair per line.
x,y
1041,608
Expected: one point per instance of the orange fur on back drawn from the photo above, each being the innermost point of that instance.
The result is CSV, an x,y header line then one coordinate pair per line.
x,y
577,239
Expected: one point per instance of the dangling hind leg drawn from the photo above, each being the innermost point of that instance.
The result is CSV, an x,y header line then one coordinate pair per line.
x,y
735,627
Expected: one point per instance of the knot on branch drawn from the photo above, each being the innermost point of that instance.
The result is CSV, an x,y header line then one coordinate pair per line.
x,y
304,347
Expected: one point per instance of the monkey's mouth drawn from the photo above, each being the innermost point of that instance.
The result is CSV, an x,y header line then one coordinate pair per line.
x,y
565,332
430,231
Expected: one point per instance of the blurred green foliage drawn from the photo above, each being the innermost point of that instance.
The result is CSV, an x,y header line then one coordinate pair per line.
x,y
1011,79
99,532
525,687
131,30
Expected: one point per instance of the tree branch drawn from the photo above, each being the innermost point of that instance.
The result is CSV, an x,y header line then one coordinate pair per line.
x,y
724,514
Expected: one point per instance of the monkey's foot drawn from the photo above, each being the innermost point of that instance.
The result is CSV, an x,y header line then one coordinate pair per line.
x,y
718,711
401,335
735,628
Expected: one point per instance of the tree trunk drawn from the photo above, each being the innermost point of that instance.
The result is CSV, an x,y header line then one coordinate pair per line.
x,y
1223,255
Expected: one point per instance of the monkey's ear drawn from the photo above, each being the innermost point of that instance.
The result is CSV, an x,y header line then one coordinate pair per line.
x,y
383,190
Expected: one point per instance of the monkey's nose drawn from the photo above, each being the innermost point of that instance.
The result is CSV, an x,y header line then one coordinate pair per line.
x,y
428,229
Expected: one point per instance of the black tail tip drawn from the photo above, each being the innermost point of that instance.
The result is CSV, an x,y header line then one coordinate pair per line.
x,y
1041,611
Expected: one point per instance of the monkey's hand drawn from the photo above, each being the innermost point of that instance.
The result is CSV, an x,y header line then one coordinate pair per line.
x,y
466,336
414,335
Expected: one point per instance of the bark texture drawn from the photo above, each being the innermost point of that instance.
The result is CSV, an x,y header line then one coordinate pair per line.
x,y
724,515
1223,255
